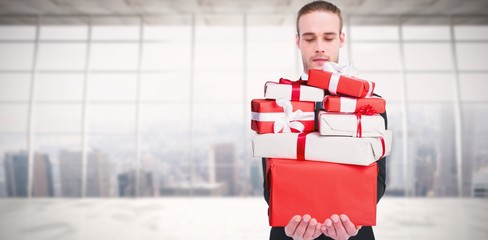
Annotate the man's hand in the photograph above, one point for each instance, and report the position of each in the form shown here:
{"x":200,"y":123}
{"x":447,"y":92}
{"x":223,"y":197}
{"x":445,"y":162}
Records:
{"x":339,"y":228}
{"x":303,"y":228}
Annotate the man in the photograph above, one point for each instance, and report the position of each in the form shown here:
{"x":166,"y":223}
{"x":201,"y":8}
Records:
{"x":319,"y":38}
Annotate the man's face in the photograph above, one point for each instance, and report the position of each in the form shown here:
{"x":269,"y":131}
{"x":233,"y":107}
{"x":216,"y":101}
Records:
{"x":319,"y":39}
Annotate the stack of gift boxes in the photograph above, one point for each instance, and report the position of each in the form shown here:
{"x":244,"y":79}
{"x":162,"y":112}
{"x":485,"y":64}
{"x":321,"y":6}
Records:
{"x":321,"y":149}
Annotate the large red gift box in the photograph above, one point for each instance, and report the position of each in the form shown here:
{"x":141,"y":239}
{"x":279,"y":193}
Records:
{"x":267,"y":116}
{"x":354,"y":105}
{"x":321,"y":189}
{"x":340,"y":84}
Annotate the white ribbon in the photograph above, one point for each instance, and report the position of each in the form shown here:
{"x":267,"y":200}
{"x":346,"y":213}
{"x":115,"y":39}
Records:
{"x":348,"y":105}
{"x":286,"y":120}
{"x":338,"y":70}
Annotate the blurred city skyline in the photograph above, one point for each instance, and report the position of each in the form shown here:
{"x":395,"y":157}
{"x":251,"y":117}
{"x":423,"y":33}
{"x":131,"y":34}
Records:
{"x":155,"y":101}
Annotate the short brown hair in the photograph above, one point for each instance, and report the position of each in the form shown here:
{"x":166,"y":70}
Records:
{"x":320,"y":6}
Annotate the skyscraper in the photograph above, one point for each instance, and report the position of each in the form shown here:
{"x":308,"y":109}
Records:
{"x":223,"y":167}
{"x":16,"y":166}
{"x":97,"y":174}
{"x":127,"y":182}
{"x":16,"y":171}
{"x":42,"y":185}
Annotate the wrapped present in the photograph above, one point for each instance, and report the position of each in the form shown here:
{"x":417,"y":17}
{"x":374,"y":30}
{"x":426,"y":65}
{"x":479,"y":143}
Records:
{"x":281,"y":115}
{"x":340,"y":84}
{"x":312,"y":146}
{"x":368,"y":105}
{"x":321,"y":189}
{"x":294,"y":91}
{"x":351,"y":125}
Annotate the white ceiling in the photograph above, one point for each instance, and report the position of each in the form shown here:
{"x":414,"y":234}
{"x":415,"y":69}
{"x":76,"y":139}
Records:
{"x":15,"y":8}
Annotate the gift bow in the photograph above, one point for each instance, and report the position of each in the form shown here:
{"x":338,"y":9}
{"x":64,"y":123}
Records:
{"x":367,"y":110}
{"x":346,"y":70}
{"x":290,"y":120}
{"x":363,"y":110}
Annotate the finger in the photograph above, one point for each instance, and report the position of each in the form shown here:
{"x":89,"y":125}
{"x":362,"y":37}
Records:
{"x":310,"y":229}
{"x":317,"y":231}
{"x":300,"y":230}
{"x":340,"y":231}
{"x":348,"y":225}
{"x":292,"y":225}
{"x":330,"y":228}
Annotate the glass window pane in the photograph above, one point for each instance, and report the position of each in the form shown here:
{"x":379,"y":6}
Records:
{"x":172,"y":56}
{"x":14,"y":87}
{"x":211,"y":56}
{"x":11,"y":144}
{"x":58,"y":118}
{"x":20,"y":56}
{"x":115,"y":32}
{"x":105,"y":118}
{"x":59,"y":87}
{"x":426,"y":32}
{"x":63,"y":32}
{"x":167,"y":32}
{"x":280,"y":56}
{"x":112,"y":87}
{"x":218,"y":147}
{"x":431,"y":148}
{"x":475,"y":140}
{"x":62,"y":56}
{"x":376,"y":56}
{"x":171,"y":120}
{"x":13,"y":118}
{"x":57,"y":165}
{"x":472,"y":56}
{"x":17,"y":32}
{"x":218,"y":87}
{"x":374,"y":32}
{"x":473,"y":32}
{"x":472,"y":86}
{"x":388,"y":85}
{"x":219,"y":33}
{"x":430,"y":87}
{"x":428,"y":56}
{"x":165,"y":87}
{"x":267,"y":33}
{"x":395,"y":163}
{"x":114,"y":56}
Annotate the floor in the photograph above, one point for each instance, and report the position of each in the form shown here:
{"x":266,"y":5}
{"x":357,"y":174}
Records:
{"x":221,"y":218}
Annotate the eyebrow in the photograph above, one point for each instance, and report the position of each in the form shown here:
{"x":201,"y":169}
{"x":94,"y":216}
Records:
{"x":313,"y":34}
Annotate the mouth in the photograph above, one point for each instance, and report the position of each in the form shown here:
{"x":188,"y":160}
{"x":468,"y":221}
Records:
{"x":320,"y":61}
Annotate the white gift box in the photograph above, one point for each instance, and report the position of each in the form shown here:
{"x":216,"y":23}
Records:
{"x":350,"y":125}
{"x":346,"y":150}
{"x":274,"y":90}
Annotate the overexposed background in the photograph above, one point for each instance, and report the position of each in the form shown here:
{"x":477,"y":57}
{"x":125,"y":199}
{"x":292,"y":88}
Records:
{"x":150,"y":99}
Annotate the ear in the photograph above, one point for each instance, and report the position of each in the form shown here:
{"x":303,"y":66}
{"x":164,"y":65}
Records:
{"x":298,"y":41}
{"x":342,"y":38}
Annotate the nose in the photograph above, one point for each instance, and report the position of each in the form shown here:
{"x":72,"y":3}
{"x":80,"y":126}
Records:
{"x":319,"y":48}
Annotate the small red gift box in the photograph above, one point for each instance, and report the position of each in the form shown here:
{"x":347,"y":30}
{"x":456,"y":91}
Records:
{"x":321,"y":189}
{"x":354,"y":105}
{"x":276,"y":116}
{"x":340,"y":84}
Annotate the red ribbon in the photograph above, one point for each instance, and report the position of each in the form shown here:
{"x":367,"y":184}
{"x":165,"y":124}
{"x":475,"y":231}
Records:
{"x":366,"y":110}
{"x":359,"y":131}
{"x":301,"y":146}
{"x":383,"y":147}
{"x":295,"y":87}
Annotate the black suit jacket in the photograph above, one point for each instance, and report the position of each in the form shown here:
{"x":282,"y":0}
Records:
{"x":366,"y":232}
